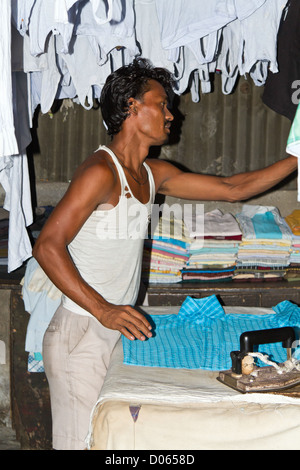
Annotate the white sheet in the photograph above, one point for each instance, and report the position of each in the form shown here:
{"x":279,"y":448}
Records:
{"x":188,"y":409}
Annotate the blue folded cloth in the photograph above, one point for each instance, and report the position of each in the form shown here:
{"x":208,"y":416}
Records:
{"x":202,"y":335}
{"x":260,"y":222}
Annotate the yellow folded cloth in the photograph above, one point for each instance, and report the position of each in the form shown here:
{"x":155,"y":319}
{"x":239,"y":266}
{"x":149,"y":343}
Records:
{"x":293,"y":221}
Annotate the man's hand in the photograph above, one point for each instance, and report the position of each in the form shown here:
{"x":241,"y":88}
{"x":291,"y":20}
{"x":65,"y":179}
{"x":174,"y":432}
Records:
{"x":127,"y":320}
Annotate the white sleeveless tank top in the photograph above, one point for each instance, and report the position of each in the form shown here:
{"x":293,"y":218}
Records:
{"x":108,"y":249}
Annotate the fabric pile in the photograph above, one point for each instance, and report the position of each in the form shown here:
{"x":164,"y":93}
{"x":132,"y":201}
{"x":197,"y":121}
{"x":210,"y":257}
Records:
{"x":213,"y":253}
{"x":293,"y":271}
{"x":166,"y":252}
{"x":264,"y":253}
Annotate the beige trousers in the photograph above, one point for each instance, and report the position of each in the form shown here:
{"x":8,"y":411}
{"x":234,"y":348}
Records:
{"x":76,"y":353}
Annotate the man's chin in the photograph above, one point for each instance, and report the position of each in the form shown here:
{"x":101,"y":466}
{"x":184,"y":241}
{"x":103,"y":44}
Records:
{"x":166,"y":138}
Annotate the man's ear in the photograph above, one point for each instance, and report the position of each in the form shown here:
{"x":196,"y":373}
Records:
{"x":132,"y":103}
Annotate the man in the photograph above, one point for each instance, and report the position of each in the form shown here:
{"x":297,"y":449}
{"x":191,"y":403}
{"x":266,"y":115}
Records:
{"x":88,"y":250}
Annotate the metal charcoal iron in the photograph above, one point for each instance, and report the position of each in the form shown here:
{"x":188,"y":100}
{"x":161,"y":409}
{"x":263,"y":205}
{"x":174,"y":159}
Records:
{"x":245,"y":376}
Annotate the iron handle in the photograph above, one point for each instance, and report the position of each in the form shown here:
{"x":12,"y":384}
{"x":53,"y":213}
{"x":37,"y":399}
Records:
{"x":249,"y":339}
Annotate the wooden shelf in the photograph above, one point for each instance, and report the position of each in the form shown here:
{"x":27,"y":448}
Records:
{"x":250,"y":294}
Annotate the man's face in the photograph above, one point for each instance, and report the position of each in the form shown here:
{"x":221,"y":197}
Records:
{"x":153,"y":117}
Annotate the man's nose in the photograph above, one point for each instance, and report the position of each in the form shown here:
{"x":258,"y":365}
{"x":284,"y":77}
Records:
{"x":169,"y":115}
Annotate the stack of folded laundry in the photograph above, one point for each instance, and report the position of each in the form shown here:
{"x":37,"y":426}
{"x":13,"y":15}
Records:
{"x":264,"y":253}
{"x":166,"y":252}
{"x":213,"y":252}
{"x":293,"y":271}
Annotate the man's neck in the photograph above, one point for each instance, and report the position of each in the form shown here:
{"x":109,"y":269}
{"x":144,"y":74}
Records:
{"x":131,"y":153}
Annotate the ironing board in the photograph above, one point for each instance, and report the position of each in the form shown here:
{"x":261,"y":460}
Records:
{"x":142,"y":408}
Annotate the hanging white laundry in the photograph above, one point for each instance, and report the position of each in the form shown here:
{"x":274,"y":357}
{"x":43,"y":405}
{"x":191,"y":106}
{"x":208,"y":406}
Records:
{"x":84,"y":78}
{"x":14,"y":136}
{"x":15,"y":180}
{"x":8,"y":142}
{"x":14,"y":175}
{"x":33,"y":63}
{"x":228,"y":58}
{"x":189,"y":72}
{"x":47,"y":71}
{"x":61,"y":10}
{"x":195,"y":86}
{"x":119,"y":32}
{"x":18,"y":203}
{"x":259,"y":72}
{"x":103,"y":13}
{"x":21,"y":12}
{"x":45,"y":75}
{"x":148,"y":34}
{"x":51,"y":77}
{"x":206,"y":48}
{"x":42,"y":24}
{"x":249,"y":44}
{"x":259,"y":39}
{"x":244,"y":9}
{"x":189,"y":20}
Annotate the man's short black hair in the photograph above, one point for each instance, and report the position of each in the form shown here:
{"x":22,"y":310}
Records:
{"x":129,"y":81}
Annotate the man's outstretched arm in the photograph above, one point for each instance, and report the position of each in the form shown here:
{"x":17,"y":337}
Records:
{"x":171,"y":181}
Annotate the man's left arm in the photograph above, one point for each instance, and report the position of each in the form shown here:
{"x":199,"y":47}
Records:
{"x":171,"y":181}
